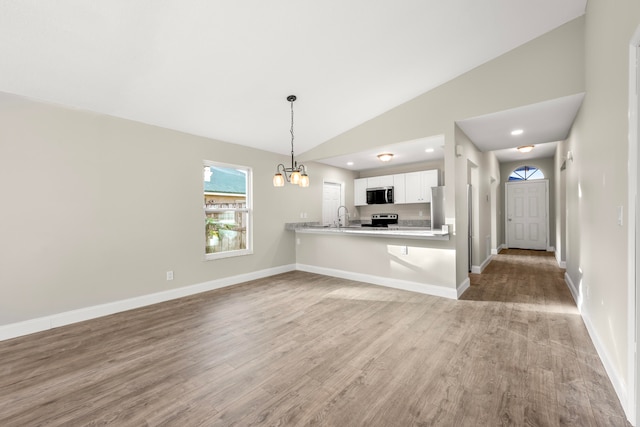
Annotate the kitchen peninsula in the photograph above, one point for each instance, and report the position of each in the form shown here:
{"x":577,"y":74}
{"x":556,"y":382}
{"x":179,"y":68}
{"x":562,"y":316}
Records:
{"x":410,"y":258}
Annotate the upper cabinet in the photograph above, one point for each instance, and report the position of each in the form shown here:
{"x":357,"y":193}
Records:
{"x":418,"y":186}
{"x":360,"y":192}
{"x":380,"y":181}
{"x":413,"y":187}
{"x":399,"y":188}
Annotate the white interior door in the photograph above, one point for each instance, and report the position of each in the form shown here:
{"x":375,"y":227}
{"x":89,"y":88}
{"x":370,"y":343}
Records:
{"x":527,"y":214}
{"x":331,"y":199}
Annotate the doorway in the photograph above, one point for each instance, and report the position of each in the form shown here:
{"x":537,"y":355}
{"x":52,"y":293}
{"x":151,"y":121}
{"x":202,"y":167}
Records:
{"x":332,"y":198}
{"x":527,"y":219}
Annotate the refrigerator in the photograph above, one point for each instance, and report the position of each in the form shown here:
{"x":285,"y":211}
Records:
{"x":437,"y":208}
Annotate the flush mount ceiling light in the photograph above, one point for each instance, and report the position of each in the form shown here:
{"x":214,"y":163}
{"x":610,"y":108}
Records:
{"x":525,"y":148}
{"x":297,"y":173}
{"x":517,"y":132}
{"x":385,"y":157}
{"x":429,"y":150}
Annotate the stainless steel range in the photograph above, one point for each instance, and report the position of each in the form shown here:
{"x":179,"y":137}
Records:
{"x":383,"y":220}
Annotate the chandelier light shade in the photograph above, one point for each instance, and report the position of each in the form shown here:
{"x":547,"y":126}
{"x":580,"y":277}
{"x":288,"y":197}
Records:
{"x":278,"y":180}
{"x":385,"y":157}
{"x":297,"y":173}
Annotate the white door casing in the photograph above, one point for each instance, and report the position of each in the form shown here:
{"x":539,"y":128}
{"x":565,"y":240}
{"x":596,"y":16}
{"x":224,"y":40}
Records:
{"x":527,"y":219}
{"x":633,"y":378}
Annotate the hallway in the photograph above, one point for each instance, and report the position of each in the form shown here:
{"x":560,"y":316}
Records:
{"x":541,"y":341}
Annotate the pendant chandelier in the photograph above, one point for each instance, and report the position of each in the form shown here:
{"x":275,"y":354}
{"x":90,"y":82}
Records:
{"x":297,"y":173}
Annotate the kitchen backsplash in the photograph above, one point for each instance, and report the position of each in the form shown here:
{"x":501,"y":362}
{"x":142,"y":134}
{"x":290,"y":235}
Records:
{"x":410,"y":212}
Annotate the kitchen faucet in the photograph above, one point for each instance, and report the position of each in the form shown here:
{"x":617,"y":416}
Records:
{"x":346,"y":215}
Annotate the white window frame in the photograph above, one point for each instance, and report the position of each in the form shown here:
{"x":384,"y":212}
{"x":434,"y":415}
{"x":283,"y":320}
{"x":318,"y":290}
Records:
{"x":248,"y":209}
{"x":525,"y":178}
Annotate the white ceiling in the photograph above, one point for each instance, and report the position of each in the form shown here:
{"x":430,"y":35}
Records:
{"x":544,"y":122}
{"x":223,"y":69}
{"x":543,"y":125}
{"x":403,"y":153}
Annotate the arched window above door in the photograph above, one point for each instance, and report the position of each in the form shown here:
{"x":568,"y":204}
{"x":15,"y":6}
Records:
{"x":526,"y":173}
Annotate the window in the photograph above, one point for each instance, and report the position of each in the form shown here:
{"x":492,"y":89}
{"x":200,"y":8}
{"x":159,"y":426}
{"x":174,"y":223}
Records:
{"x":227,"y":209}
{"x":526,"y":173}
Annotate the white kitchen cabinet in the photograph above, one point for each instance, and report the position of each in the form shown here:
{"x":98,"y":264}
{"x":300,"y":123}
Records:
{"x":360,"y":192}
{"x":413,"y":187}
{"x":380,"y":181}
{"x":399,"y":189}
{"x":418,"y":186}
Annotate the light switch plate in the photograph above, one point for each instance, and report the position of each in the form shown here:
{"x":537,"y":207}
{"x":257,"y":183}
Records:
{"x":620,"y":215}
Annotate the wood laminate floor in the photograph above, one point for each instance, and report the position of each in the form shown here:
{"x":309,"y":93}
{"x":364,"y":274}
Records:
{"x":304,"y":349}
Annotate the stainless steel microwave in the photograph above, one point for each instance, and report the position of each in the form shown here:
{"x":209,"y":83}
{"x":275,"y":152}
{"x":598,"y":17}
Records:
{"x":379,"y":195}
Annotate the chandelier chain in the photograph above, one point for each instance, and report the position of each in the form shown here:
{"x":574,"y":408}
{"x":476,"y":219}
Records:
{"x":292,"y":136}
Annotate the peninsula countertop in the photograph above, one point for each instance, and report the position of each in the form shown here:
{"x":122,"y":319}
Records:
{"x":404,"y":232}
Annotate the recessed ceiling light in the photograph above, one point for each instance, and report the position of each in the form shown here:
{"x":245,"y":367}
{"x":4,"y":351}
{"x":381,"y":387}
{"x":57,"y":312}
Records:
{"x":429,"y":150}
{"x":525,"y":148}
{"x":517,"y":132}
{"x":349,"y":163}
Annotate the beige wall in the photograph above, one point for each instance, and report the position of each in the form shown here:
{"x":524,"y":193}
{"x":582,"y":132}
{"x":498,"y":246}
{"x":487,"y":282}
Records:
{"x":596,"y":184}
{"x":96,"y":209}
{"x":480,"y":170}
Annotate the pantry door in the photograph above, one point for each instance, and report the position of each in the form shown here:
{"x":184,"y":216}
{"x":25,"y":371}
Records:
{"x":527,"y":219}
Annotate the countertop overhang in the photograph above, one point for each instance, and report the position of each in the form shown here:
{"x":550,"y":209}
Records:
{"x":394,"y":232}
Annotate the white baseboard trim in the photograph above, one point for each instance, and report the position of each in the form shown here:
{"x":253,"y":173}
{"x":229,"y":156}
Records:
{"x":463,"y":286}
{"x":31,"y":326}
{"x":614,"y":376}
{"x":572,"y":288}
{"x":551,"y":249}
{"x":561,"y":264}
{"x":423,"y":288}
{"x":477,"y":269}
{"x":498,"y":249}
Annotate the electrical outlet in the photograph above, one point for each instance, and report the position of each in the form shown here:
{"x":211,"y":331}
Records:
{"x":419,"y":213}
{"x":404,"y":250}
{"x":297,"y":241}
{"x":169,"y":275}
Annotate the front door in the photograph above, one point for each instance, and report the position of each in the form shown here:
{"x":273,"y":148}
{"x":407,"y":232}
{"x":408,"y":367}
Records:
{"x":527,"y":219}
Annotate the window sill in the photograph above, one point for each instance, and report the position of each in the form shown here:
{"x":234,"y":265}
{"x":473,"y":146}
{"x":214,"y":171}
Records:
{"x":227,"y":254}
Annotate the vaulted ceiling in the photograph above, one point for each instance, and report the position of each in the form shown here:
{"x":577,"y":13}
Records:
{"x":223,"y":69}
